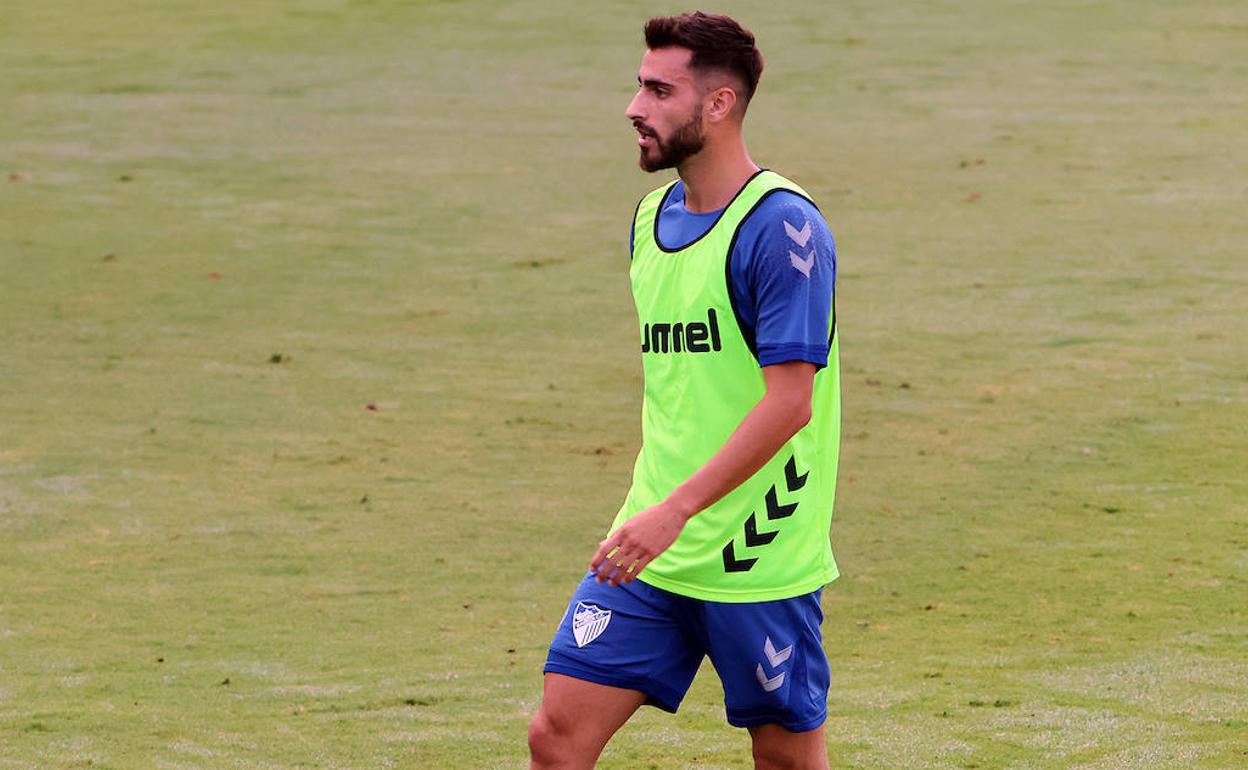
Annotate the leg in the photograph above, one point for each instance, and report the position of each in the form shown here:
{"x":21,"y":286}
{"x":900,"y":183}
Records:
{"x":615,"y":649}
{"x":770,"y":658}
{"x":575,"y":721}
{"x":775,"y":748}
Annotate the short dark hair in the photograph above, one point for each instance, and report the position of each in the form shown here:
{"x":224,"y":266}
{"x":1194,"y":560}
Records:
{"x":718,"y":43}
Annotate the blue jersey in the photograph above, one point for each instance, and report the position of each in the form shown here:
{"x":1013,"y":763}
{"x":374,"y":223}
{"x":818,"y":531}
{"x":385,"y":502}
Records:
{"x":783,"y":268}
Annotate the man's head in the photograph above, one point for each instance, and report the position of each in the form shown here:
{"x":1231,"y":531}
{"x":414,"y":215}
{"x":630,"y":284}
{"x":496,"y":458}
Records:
{"x":696,"y":80}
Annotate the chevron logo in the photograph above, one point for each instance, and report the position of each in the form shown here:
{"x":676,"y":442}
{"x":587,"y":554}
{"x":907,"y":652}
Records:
{"x":800,"y":237}
{"x":753,"y":538}
{"x":803,"y":265}
{"x":773,"y":657}
{"x":771,"y":684}
{"x":775,"y":512}
{"x":732,"y":564}
{"x":791,"y":478}
{"x":774,"y":509}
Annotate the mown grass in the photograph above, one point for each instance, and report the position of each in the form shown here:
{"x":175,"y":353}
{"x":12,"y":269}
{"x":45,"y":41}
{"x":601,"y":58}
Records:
{"x":319,"y":381}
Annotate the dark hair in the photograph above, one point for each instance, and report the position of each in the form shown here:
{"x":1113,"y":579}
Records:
{"x":717,"y":42}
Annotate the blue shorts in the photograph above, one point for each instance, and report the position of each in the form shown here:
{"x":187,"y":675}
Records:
{"x":769,"y":655}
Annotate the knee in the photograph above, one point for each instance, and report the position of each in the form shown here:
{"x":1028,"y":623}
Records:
{"x":549,"y":740}
{"x":773,"y":758}
{"x":777,"y":749}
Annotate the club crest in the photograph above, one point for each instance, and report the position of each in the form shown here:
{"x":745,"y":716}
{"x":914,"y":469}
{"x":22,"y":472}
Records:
{"x":588,"y":622}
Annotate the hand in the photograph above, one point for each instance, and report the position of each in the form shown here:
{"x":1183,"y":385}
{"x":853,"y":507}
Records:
{"x":636,"y":543}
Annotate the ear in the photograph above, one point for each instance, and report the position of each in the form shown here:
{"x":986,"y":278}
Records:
{"x":720,"y":103}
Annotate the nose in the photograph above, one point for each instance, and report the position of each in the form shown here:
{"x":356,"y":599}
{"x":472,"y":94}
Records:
{"x":633,"y":111}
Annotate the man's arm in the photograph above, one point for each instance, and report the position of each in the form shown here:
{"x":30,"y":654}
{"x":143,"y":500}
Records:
{"x":783,"y":410}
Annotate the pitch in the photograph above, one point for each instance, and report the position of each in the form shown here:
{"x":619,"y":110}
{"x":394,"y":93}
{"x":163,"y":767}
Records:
{"x":319,"y":381}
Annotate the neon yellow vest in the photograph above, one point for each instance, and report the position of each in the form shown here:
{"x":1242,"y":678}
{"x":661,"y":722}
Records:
{"x":768,"y":538}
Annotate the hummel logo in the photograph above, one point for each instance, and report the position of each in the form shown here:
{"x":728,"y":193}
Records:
{"x":773,"y":683}
{"x":803,"y":265}
{"x":776,"y":511}
{"x":773,"y":657}
{"x":686,"y":336}
{"x":800,"y":237}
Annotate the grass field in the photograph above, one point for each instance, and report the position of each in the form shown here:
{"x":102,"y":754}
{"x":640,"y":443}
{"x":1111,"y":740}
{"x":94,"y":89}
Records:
{"x":319,"y":382}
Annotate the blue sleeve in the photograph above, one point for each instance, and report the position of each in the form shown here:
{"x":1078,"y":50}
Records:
{"x":783,"y":279}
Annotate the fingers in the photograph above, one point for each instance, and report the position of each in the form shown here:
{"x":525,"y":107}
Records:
{"x":604,"y":548}
{"x":627,"y":551}
{"x":636,"y":567}
{"x":606,"y":568}
{"x":619,"y":572}
{"x":606,"y":558}
{"x":613,"y":569}
{"x":617,"y":564}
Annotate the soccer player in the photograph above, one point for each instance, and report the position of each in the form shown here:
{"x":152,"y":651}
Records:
{"x":721,"y":546}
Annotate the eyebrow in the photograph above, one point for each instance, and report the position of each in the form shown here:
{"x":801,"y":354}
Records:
{"x":654,"y":83}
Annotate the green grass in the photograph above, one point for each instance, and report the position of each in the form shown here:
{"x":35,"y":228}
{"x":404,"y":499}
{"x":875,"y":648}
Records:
{"x":227,"y":229}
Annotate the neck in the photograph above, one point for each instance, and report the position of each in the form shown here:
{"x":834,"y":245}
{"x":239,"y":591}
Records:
{"x":716,"y":174}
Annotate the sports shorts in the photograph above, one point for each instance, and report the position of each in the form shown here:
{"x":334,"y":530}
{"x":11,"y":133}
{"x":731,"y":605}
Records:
{"x":769,"y":655}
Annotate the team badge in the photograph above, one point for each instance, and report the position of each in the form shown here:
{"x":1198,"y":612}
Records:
{"x":588,"y":622}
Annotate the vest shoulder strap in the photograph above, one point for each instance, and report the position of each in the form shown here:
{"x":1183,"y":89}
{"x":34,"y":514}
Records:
{"x":756,"y":188}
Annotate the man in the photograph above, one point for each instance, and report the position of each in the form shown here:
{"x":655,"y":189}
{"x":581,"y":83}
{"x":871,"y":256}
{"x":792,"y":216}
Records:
{"x":721,"y":547}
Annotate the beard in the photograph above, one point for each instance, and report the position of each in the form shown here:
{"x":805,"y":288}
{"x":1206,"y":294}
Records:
{"x":685,"y":142}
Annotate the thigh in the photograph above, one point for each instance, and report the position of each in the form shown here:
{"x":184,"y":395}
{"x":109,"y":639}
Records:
{"x":629,"y":637}
{"x":577,"y":718}
{"x":770,"y":658}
